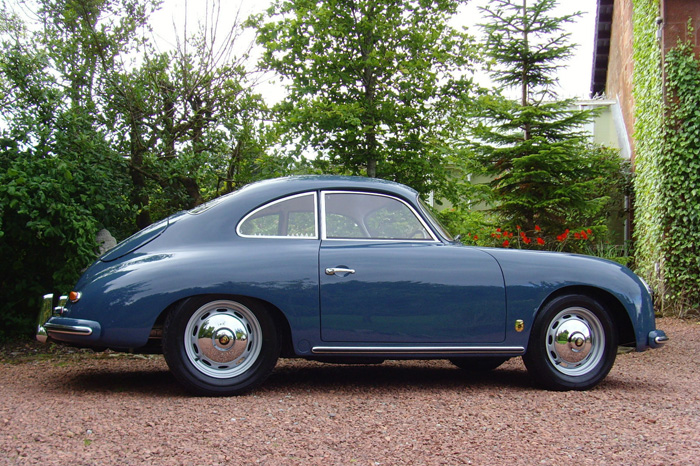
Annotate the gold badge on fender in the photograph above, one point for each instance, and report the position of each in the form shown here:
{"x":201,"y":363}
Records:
{"x":519,"y":325}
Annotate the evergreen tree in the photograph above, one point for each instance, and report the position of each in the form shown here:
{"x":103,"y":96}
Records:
{"x":532,"y":148}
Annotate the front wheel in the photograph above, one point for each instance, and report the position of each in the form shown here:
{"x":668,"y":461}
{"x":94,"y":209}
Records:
{"x":220,"y":347}
{"x":573,"y":344}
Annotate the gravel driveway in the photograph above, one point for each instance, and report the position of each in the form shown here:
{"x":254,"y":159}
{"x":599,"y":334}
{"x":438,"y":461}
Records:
{"x":106,"y":409}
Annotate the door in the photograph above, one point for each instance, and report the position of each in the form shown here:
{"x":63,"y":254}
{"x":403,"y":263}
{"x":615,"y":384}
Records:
{"x":385,"y":278}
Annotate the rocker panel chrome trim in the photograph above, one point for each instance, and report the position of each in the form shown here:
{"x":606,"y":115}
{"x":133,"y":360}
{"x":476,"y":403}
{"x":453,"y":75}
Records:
{"x":420,"y":350}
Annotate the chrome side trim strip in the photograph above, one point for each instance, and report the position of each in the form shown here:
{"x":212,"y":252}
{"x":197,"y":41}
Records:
{"x":405,"y":350}
{"x":68,"y":329}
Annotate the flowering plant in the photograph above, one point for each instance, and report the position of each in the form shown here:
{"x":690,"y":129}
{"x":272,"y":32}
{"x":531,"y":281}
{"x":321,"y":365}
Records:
{"x":531,"y":239}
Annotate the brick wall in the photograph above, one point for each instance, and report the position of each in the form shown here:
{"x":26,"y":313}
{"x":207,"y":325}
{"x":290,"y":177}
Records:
{"x":675,"y":22}
{"x":620,"y":66}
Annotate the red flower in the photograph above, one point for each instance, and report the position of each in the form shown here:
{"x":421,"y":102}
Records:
{"x":527,"y":240}
{"x":561,"y":238}
{"x":540,"y":241}
{"x":589,"y":231}
{"x":537,"y":228}
{"x":498,"y":230}
{"x":476,"y":237}
{"x":577,"y":236}
{"x":517,"y":226}
{"x":584,"y":235}
{"x":506,"y":243}
{"x":522,"y":233}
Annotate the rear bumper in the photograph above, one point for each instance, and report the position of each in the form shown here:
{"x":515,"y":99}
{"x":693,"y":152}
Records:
{"x":52,"y":325}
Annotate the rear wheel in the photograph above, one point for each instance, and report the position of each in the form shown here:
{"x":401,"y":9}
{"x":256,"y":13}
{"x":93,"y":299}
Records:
{"x":573,"y":344}
{"x":219,"y":347}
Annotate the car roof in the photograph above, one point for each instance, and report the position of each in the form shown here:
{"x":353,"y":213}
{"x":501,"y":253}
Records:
{"x":298,"y":183}
{"x":251,"y":196}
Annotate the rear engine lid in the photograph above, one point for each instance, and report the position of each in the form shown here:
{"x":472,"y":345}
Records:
{"x":136,"y":241}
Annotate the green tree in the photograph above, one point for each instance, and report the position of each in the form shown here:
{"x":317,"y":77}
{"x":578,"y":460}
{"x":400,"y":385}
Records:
{"x":190,"y":123}
{"x":97,"y":130}
{"x":60,"y":180}
{"x":532,"y":148}
{"x":375,"y":88}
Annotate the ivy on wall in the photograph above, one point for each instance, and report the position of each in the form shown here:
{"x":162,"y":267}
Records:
{"x":679,"y":164}
{"x":648,"y":98}
{"x":667,"y":166}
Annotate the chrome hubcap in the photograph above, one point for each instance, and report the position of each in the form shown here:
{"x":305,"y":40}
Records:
{"x":223,"y":339}
{"x":575,"y":341}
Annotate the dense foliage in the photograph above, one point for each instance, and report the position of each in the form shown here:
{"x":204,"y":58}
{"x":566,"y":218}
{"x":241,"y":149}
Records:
{"x":648,"y":137}
{"x":543,"y":172}
{"x":375,"y":88}
{"x":60,"y":179}
{"x":679,"y":164}
{"x":101,"y":130}
{"x":667,"y":165}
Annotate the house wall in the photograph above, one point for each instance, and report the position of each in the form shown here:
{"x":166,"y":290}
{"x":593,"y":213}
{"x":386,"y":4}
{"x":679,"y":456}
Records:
{"x":675,"y":15}
{"x":618,"y":85}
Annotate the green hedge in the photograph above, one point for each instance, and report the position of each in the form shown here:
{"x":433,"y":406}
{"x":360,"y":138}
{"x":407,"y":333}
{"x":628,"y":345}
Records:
{"x":667,"y":166}
{"x":679,"y":164}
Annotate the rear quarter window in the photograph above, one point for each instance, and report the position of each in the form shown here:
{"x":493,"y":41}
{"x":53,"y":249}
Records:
{"x":290,"y":217}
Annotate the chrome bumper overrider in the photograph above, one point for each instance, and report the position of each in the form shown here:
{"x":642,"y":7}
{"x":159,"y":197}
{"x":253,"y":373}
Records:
{"x":657,"y":338}
{"x":51,"y":322}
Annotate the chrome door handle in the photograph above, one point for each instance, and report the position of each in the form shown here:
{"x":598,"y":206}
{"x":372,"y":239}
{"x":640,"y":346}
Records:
{"x":337,"y":270}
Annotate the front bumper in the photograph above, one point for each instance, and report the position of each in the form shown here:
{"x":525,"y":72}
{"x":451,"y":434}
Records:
{"x":53,"y":325}
{"x":657,"y":338}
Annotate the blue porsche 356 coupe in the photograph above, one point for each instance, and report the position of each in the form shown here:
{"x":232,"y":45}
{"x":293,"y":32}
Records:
{"x":345,"y":269}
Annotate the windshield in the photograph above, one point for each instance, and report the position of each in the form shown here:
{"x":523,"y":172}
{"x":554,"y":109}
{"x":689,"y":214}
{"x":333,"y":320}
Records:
{"x":428,"y":213}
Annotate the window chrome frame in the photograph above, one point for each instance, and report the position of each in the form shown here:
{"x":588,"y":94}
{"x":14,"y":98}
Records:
{"x":426,"y":226}
{"x":283,"y":199}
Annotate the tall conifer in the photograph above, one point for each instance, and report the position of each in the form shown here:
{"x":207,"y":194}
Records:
{"x":530,"y":144}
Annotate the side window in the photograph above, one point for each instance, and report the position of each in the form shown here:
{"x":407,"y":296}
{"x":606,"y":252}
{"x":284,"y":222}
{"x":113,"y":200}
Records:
{"x":292,"y":217}
{"x":371,"y":216}
{"x":340,"y":226}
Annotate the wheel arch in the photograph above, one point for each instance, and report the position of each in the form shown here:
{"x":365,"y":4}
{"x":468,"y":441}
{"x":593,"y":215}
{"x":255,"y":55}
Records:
{"x":284,"y":331}
{"x":618,"y":313}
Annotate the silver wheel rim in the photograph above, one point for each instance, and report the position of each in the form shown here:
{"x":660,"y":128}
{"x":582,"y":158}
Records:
{"x":223,"y":339}
{"x":575,"y":341}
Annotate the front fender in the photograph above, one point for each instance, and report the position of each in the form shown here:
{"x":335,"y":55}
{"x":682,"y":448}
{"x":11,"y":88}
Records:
{"x":531,"y":277}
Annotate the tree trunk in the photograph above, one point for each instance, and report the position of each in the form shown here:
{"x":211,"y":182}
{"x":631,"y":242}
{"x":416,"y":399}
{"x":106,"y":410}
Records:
{"x":192,"y":188}
{"x":372,"y":168}
{"x":139,"y":195}
{"x":525,"y":101}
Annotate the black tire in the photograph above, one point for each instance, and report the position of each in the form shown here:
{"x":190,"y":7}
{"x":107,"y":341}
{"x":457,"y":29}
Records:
{"x":573,"y":344}
{"x":478,"y":365}
{"x":220,"y":347}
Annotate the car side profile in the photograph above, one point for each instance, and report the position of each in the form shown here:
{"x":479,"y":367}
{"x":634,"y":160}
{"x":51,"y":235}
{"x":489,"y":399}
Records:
{"x":345,"y":269}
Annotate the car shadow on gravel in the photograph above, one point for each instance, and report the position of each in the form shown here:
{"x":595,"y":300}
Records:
{"x":310,"y":377}
{"x":154,"y":383}
{"x":307,"y":377}
{"x":414,"y":377}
